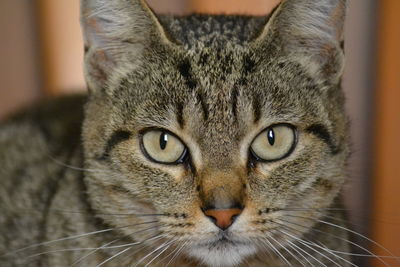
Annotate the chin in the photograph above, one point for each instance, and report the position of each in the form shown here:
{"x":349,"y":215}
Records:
{"x":222,"y":253}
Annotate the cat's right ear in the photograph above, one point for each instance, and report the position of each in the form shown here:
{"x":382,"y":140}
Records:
{"x":311,"y":32}
{"x":115,"y":34}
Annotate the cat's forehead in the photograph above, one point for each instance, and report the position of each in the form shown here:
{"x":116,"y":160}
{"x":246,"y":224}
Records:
{"x":220,"y":85}
{"x":218,"y":90}
{"x":216,"y":65}
{"x":228,"y":90}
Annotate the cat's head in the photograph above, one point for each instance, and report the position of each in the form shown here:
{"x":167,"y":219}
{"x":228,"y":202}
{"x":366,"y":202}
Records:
{"x":231,"y":141}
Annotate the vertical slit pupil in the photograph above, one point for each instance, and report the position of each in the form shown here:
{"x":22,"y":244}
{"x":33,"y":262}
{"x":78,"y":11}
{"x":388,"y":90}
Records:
{"x":163,"y":140}
{"x":271,"y":137}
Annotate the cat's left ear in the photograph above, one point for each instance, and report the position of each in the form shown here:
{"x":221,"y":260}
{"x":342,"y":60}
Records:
{"x":116,"y":32}
{"x":311,"y":32}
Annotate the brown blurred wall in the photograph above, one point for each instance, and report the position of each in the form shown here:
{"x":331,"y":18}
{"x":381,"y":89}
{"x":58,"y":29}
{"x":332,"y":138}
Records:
{"x":61,"y":46}
{"x":254,"y":7}
{"x":19,"y":68}
{"x":386,"y":184}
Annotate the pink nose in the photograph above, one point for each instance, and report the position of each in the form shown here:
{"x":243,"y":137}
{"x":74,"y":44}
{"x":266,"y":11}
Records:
{"x":223,"y":218}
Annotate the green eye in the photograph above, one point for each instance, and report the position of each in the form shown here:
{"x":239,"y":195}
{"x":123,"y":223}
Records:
{"x":163,"y":147}
{"x":274,"y":143}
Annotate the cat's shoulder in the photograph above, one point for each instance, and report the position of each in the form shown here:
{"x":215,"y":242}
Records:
{"x":36,"y":147}
{"x":55,"y":118}
{"x":34,"y":137}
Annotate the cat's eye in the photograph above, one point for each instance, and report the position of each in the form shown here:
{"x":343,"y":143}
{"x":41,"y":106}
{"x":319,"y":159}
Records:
{"x":163,"y":147}
{"x":274,"y":143}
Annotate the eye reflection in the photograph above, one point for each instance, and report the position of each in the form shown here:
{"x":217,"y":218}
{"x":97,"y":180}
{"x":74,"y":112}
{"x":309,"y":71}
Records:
{"x":271,"y":137}
{"x":163,"y":140}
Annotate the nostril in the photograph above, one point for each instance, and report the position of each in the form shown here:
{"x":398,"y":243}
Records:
{"x":212,"y":218}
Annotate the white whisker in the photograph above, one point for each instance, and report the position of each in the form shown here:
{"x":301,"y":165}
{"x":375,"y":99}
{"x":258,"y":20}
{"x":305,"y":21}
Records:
{"x":91,"y":253}
{"x":362,"y":236}
{"x":162,"y":251}
{"x":109,"y":243}
{"x":46,"y":243}
{"x":301,"y":240}
{"x":277,"y":251}
{"x":113,"y":257}
{"x":310,"y":245}
{"x":79,"y":168}
{"x":171,"y":253}
{"x":127,"y":249}
{"x":300,"y":251}
{"x":176,"y":253}
{"x":152,"y":252}
{"x":57,"y":240}
{"x":107,"y":214}
{"x":342,"y":239}
{"x":145,"y":243}
{"x":82,"y":249}
{"x":287,"y":250}
{"x":296,"y":238}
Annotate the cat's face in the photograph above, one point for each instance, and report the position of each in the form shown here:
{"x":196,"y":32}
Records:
{"x":231,"y":147}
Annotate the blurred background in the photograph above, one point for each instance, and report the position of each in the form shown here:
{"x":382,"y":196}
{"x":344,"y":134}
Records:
{"x":41,"y":54}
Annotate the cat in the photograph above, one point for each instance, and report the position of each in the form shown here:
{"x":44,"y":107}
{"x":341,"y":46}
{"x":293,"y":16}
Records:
{"x":204,"y":140}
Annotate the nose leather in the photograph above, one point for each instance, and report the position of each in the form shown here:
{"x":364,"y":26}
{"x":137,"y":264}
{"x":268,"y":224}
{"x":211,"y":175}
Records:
{"x":223,"y":218}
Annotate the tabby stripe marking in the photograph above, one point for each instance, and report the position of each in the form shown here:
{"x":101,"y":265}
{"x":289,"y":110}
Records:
{"x":234,"y":100}
{"x":322,"y":133}
{"x":117,"y":137}
{"x":256,"y":107}
{"x":179,"y":114}
{"x":185,"y":69}
{"x":201,"y":100}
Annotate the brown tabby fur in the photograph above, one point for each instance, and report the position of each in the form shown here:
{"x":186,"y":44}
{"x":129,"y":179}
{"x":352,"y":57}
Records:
{"x":216,"y":82}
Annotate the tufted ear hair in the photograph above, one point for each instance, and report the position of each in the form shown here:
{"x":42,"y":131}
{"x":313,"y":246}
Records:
{"x":115,"y":34}
{"x":312,"y":32}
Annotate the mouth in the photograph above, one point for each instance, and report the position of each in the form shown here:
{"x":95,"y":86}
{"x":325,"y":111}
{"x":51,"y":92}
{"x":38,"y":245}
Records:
{"x":223,"y":240}
{"x":223,"y":250}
